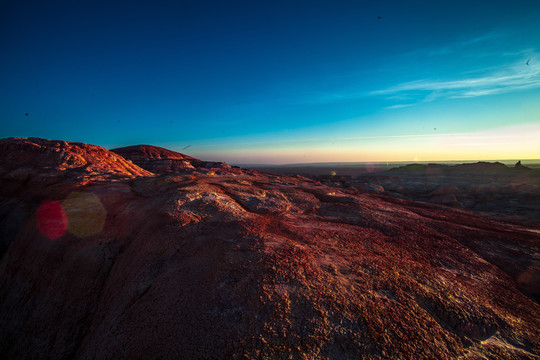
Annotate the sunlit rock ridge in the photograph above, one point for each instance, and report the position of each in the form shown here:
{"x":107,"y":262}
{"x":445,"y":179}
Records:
{"x":103,"y":258}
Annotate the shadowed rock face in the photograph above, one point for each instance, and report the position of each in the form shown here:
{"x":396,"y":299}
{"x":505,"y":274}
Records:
{"x":162,"y":161}
{"x":243,"y":264}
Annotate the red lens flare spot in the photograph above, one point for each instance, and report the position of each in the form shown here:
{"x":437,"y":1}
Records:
{"x":51,"y":219}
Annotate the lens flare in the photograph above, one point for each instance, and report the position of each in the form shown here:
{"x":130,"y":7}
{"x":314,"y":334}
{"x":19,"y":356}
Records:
{"x":371,"y":167}
{"x":51,"y":219}
{"x":85,"y":212}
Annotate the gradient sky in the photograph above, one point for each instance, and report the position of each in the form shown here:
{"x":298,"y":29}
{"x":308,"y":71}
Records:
{"x":277,"y":81}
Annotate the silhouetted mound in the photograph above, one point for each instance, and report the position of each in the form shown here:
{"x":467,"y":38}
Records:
{"x":479,"y":168}
{"x":241,"y":264}
{"x":520,"y":167}
{"x":162,"y":161}
{"x":420,"y":169}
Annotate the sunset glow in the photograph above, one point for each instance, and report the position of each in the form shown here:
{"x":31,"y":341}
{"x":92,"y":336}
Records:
{"x":278,"y":82}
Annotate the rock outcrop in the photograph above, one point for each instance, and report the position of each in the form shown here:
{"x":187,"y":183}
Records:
{"x":520,"y":167}
{"x":36,"y":159}
{"x":163,"y":161}
{"x":241,"y":264}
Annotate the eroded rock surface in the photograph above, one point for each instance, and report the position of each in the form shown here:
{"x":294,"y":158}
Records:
{"x":506,"y":193}
{"x":242,"y":264}
{"x":40,"y":160}
{"x":163,"y":161}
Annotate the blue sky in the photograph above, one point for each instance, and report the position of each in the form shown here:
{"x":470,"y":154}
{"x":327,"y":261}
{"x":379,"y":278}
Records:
{"x":277,"y":81}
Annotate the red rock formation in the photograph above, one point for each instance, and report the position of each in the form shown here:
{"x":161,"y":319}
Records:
{"x":145,"y":152}
{"x":163,"y":161}
{"x":243,"y":264}
{"x":36,"y":159}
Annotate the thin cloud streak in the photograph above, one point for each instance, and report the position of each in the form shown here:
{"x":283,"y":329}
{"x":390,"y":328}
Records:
{"x":509,"y":142}
{"x":380,"y":137}
{"x":491,"y":80}
{"x":517,"y":77}
{"x":512,"y":132}
{"x":400,"y":106}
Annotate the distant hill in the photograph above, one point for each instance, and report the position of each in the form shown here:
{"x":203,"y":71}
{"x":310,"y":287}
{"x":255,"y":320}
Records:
{"x":478,"y":168}
{"x":150,"y":152}
{"x":161,"y":161}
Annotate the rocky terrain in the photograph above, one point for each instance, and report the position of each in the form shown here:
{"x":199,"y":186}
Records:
{"x":494,"y":189}
{"x":102,"y":259}
{"x":162,"y":161}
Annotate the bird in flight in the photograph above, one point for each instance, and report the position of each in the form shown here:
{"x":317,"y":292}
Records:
{"x":26,"y":114}
{"x":528,"y":61}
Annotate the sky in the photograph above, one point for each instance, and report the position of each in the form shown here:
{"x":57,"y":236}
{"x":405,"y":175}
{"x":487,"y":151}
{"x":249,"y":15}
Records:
{"x":254,"y":82}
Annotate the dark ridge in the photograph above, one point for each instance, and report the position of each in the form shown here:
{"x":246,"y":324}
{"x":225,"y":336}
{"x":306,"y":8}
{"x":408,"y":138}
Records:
{"x":478,"y":168}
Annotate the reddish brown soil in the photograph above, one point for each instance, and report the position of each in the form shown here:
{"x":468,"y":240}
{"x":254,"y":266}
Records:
{"x":231,"y":263}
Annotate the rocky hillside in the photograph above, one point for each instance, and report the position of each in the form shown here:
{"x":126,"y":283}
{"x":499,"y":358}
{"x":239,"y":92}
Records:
{"x":162,"y":161}
{"x":37,"y":160}
{"x":225,"y":263}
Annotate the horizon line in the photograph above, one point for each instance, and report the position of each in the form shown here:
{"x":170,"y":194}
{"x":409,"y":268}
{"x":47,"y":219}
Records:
{"x":386,"y":162}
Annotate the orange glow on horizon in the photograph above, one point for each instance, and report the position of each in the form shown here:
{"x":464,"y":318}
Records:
{"x":508,"y":143}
